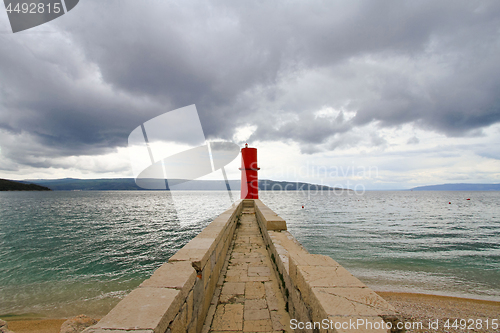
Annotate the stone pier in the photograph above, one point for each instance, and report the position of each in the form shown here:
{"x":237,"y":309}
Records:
{"x":249,"y":299}
{"x":246,"y":273}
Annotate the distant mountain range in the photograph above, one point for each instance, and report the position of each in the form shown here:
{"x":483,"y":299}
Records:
{"x":10,"y":185}
{"x":459,"y":187}
{"x":126,"y":184}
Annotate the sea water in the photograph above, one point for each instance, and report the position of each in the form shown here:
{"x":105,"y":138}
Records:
{"x":67,"y":253}
{"x":427,"y":242}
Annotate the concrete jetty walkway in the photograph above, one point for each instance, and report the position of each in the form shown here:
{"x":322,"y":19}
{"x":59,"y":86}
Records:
{"x":249,"y":299}
{"x":246,"y":273}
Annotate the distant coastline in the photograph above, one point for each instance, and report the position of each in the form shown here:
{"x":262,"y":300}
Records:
{"x":128,"y":184}
{"x":458,"y":187}
{"x":10,"y":185}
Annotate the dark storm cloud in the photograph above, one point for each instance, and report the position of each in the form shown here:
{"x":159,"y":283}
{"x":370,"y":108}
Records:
{"x":51,"y":98}
{"x":110,"y":65}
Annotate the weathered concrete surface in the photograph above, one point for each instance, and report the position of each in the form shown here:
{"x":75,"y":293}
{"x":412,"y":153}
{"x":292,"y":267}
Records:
{"x":317,"y":288}
{"x":246,"y":273}
{"x":143,"y":308}
{"x":177,"y":297}
{"x":250,"y":299}
{"x":272,"y":220}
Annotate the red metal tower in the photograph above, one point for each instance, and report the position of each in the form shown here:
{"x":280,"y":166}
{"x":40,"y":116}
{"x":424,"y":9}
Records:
{"x":249,"y":178}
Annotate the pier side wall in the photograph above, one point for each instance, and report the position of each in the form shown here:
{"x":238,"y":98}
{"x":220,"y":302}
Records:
{"x":176,"y":298}
{"x":317,"y":289}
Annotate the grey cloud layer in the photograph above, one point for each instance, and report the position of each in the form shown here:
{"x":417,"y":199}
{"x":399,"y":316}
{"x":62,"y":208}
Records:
{"x":111,"y":65}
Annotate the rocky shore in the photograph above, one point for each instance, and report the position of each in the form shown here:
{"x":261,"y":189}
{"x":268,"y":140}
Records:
{"x":73,"y":325}
{"x":412,"y":308}
{"x":415,"y":308}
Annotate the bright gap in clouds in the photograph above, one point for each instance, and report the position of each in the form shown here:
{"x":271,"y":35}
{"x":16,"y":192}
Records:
{"x":395,"y":163}
{"x":329,"y":85}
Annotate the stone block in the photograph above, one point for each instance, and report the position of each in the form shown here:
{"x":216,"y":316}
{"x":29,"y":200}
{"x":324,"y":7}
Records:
{"x":347,"y":302}
{"x":198,"y":296}
{"x":220,"y":281}
{"x":178,"y":275}
{"x":283,"y":263}
{"x":256,"y":314}
{"x":292,"y":270}
{"x":233,"y":288}
{"x":255,"y":304}
{"x":326,"y":276}
{"x":191,"y":255}
{"x":236,"y":271}
{"x":320,"y":260}
{"x":192,"y":326}
{"x":180,"y":321}
{"x":264,"y":325}
{"x":319,"y":276}
{"x":278,"y":321}
{"x":219,"y":249}
{"x":212,"y":231}
{"x":364,"y":296}
{"x":210,"y":316}
{"x":300,"y":308}
{"x":207,"y":302}
{"x":259,"y":271}
{"x":276,"y":224}
{"x":206,"y":274}
{"x":254,"y":290}
{"x":299,"y":257}
{"x":189,"y":302}
{"x":143,"y":309}
{"x":272,"y":299}
{"x":212,"y":286}
{"x":199,"y":323}
{"x":228,"y":317}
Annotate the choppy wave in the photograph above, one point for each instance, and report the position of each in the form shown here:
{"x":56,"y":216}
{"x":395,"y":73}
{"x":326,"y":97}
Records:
{"x":404,"y":241}
{"x":66,"y":253}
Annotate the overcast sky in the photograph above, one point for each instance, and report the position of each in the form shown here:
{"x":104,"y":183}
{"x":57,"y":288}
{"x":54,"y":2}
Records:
{"x":387,"y":94}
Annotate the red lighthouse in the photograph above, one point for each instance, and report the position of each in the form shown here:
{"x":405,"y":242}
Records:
{"x":249,"y":178}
